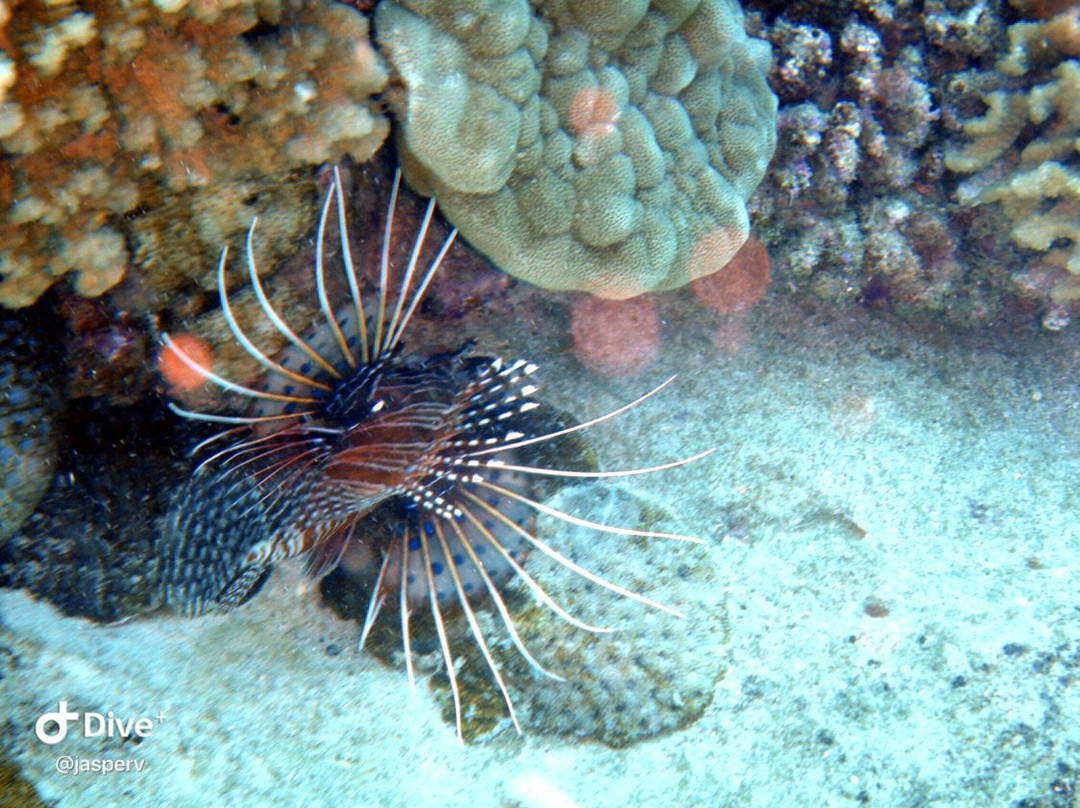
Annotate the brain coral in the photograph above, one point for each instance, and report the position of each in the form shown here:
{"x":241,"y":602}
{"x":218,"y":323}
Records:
{"x":585,"y":145}
{"x":105,"y":108}
{"x":654,"y":673}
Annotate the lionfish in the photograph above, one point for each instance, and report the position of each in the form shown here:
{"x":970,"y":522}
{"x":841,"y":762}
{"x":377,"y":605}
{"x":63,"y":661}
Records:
{"x":348,"y":438}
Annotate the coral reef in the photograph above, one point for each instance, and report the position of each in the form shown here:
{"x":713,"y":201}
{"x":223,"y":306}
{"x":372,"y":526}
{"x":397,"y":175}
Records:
{"x":652,"y":674}
{"x":900,"y":126}
{"x":107,"y":111}
{"x":852,"y":208}
{"x":30,"y":401}
{"x":1021,"y":152}
{"x":584,"y":146}
{"x":178,"y":242}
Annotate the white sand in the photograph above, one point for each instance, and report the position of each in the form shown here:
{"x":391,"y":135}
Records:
{"x":856,"y":461}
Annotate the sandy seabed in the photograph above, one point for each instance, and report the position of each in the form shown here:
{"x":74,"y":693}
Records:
{"x":892,"y":519}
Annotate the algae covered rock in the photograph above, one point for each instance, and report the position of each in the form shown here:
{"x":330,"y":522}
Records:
{"x":92,"y":547}
{"x":606,"y":147}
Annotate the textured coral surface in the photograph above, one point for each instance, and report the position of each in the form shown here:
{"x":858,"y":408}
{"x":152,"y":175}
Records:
{"x":615,"y":693}
{"x":586,"y":146}
{"x":30,"y":401}
{"x":919,"y":145}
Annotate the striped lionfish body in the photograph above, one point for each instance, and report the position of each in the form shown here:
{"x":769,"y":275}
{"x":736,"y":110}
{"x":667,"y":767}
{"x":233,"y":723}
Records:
{"x":428,"y":461}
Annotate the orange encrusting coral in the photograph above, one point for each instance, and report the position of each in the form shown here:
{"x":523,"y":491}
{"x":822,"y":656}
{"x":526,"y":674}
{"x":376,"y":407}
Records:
{"x":105,"y":107}
{"x":594,"y":113}
{"x":179,"y":375}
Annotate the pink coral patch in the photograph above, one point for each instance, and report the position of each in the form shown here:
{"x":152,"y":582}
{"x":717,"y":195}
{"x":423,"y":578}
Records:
{"x":594,"y":113}
{"x":714,"y":250}
{"x":615,"y":338}
{"x":739,"y":285}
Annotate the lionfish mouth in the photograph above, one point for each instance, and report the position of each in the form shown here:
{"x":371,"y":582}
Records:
{"x":425,"y":459}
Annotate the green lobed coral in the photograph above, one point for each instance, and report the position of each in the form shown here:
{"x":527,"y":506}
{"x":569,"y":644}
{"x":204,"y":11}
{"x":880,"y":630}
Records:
{"x":607,"y":147}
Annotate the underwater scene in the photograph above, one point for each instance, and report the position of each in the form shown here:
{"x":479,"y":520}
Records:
{"x":539,"y":403}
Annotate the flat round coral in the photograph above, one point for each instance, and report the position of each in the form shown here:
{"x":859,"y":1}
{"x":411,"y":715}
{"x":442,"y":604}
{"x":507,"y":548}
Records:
{"x":586,"y":145}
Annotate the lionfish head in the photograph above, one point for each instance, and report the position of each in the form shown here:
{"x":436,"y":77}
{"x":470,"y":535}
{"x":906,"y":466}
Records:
{"x":428,"y":461}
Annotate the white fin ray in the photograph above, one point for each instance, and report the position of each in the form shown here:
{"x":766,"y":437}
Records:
{"x":395,"y":336}
{"x":588,"y":575}
{"x":271,"y":312}
{"x":585,"y":475}
{"x":474,"y":626}
{"x":213,"y":418}
{"x":576,"y":427}
{"x":320,"y":279}
{"x":247,"y":344}
{"x":350,"y":270}
{"x":225,"y":384}
{"x":384,"y":263}
{"x":375,"y":603}
{"x":496,"y":596}
{"x":539,"y":591}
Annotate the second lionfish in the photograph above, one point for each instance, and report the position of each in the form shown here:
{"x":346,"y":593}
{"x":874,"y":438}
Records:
{"x":433,"y":463}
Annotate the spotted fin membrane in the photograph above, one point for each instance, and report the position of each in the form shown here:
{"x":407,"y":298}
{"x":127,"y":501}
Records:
{"x":426,"y":460}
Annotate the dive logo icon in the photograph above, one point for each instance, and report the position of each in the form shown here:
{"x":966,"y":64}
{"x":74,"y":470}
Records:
{"x":52,"y":727}
{"x":61,"y":718}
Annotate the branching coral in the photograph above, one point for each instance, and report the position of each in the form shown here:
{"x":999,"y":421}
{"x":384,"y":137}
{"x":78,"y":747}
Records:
{"x":1024,"y":149}
{"x":586,"y":145}
{"x":106,"y":107}
{"x":854,"y":206}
